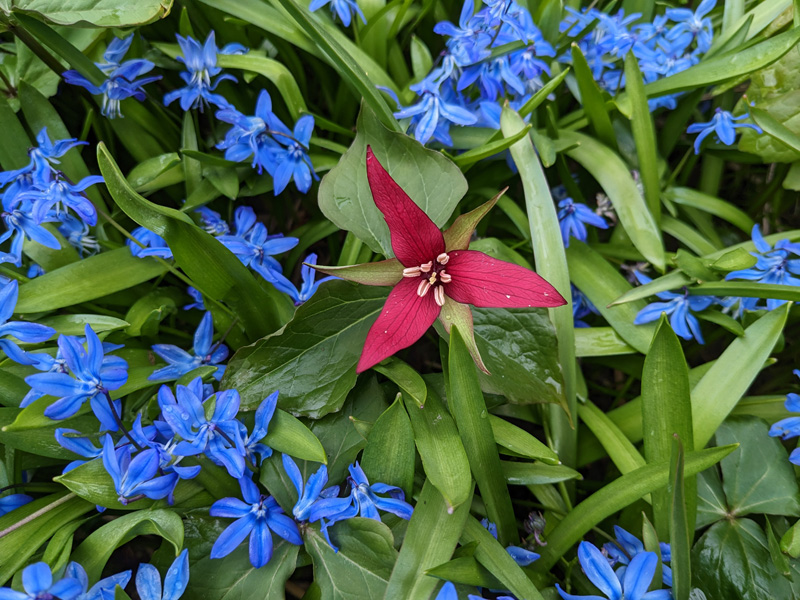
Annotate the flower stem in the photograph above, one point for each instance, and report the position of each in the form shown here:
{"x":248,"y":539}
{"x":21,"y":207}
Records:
{"x":118,"y":420}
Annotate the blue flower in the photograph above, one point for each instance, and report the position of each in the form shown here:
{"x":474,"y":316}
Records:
{"x":692,"y":26}
{"x":636,"y":580}
{"x":573,"y":218}
{"x":723,"y":124}
{"x":363,"y":500}
{"x":93,"y":375}
{"x":310,"y":491}
{"x":212,"y":222}
{"x":25,"y":332}
{"x":252,"y":135}
{"x":627,"y":547}
{"x":43,"y":156}
{"x":37,"y":581}
{"x":344,"y":9}
{"x":255,"y":450}
{"x":202,"y":75}
{"x":773,"y":265}
{"x":676,"y":307}
{"x":148,"y":580}
{"x":197,"y":297}
{"x":20,"y":225}
{"x":254,"y":246}
{"x":581,"y":307}
{"x":257,"y":517}
{"x":154,"y":244}
{"x":293,"y":161}
{"x":13,"y":502}
{"x":521,"y":556}
{"x":789,"y":427}
{"x":75,"y":441}
{"x":203,"y":353}
{"x":434,"y":113}
{"x":103,"y":589}
{"x":77,"y":233}
{"x":219,"y":437}
{"x":309,"y":286}
{"x":469,"y":41}
{"x":121,"y":82}
{"x":136,"y":477}
{"x":57,"y":195}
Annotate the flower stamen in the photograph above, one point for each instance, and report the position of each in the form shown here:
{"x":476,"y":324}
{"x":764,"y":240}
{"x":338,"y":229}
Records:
{"x":438,"y":295}
{"x":412,"y":272}
{"x":443,"y":258}
{"x":423,"y":288}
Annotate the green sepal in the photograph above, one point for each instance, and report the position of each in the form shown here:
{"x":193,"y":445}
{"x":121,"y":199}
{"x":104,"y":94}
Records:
{"x":460,"y":315}
{"x":458,"y":235}
{"x":384,"y":272}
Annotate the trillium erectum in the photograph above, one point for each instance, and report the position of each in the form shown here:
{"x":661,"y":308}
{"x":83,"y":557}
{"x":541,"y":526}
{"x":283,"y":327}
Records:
{"x":434,"y":275}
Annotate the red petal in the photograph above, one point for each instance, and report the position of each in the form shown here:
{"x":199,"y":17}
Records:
{"x":483,"y":281}
{"x":415,"y":238}
{"x":403,"y":320}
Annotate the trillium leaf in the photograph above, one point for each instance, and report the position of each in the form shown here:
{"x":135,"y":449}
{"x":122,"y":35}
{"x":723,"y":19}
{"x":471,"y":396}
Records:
{"x":432,"y":181}
{"x":102,"y":13}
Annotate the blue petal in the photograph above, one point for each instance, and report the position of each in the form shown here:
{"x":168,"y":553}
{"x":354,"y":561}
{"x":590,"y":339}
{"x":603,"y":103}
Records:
{"x":639,"y":575}
{"x":177,"y":577}
{"x":232,"y":536}
{"x":598,"y":571}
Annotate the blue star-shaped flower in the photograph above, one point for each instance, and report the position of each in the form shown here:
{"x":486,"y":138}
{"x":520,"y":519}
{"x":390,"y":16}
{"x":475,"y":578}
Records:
{"x":723,"y":124}
{"x":204,"y":352}
{"x":257,"y":517}
{"x":310,"y":491}
{"x":677,"y":307}
{"x":37,"y":581}
{"x":309,"y":286}
{"x":136,"y":476}
{"x":154,"y":244}
{"x":628,"y":546}
{"x":103,"y":589}
{"x":292,"y":160}
{"x":344,"y":9}
{"x":25,"y":332}
{"x":254,"y":246}
{"x":573,"y":218}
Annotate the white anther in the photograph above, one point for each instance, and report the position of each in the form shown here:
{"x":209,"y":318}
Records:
{"x":445,"y":277}
{"x":423,"y":288}
{"x":426,"y":268}
{"x":412,"y":272}
{"x":442,"y":258}
{"x":438,"y":295}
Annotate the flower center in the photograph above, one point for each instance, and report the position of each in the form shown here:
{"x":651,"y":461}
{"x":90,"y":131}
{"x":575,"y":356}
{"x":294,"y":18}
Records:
{"x":434,"y":277}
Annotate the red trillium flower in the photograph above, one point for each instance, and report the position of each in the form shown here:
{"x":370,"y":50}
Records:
{"x":434,"y":275}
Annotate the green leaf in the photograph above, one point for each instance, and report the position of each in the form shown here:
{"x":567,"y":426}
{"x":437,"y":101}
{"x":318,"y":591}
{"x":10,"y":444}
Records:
{"x":389,"y":454}
{"x":97,"y":13}
{"x":726,"y":66}
{"x":519,"y":347}
{"x":748,"y":573}
{"x":312,"y":359}
{"x":620,"y":450}
{"x":644,"y":135}
{"x":289,"y":435}
{"x":156,"y":173}
{"x":14,"y":151}
{"x":734,"y":260}
{"x":520,"y":441}
{"x":433,"y":182}
{"x":613,"y":175}
{"x":758,"y":478}
{"x":666,"y":413}
{"x":41,"y":441}
{"x":214,"y":269}
{"x":602,"y":283}
{"x":431,"y":538}
{"x":75,"y":324}
{"x":466,"y":570}
{"x":521,"y":473}
{"x":790,"y":542}
{"x":613,"y":497}
{"x":592,"y":99}
{"x":600,"y":341}
{"x":362,"y":566}
{"x":441,"y":450}
{"x":548,"y":250}
{"x":468,"y":408}
{"x":85,"y":280}
{"x":727,"y":380}
{"x":492,"y":555}
{"x":233,"y":578}
{"x":406,"y":378}
{"x":95,"y":550}
{"x":342,"y":60}
{"x":714,"y":206}
{"x":748,"y":289}
{"x":681,"y":527}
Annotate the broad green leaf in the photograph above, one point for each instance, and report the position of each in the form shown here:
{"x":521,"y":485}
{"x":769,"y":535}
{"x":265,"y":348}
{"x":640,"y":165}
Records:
{"x":14,"y":151}
{"x":360,"y":570}
{"x":75,"y":324}
{"x":22,"y":539}
{"x":592,"y":99}
{"x":95,"y":550}
{"x":430,"y":179}
{"x":519,"y":348}
{"x":748,"y":573}
{"x":432,"y":535}
{"x":790,"y":542}
{"x":147,"y":312}
{"x":681,"y":526}
{"x":441,"y":450}
{"x":615,"y":496}
{"x":406,"y":378}
{"x":600,"y":341}
{"x":620,"y":450}
{"x":727,"y":380}
{"x":757,"y":478}
{"x":644,"y":135}
{"x":492,"y":555}
{"x":602,"y":283}
{"x":97,"y":13}
{"x":468,"y":408}
{"x":760,"y":17}
{"x":714,"y":206}
{"x":522,"y":473}
{"x":233,"y":578}
{"x":41,"y":441}
{"x":289,"y":435}
{"x":312,"y":359}
{"x":666,"y":413}
{"x":156,"y":173}
{"x":466,"y":570}
{"x":711,"y":503}
{"x":86,"y":280}
{"x":548,"y":250}
{"x":214,"y":268}
{"x":520,"y":441}
{"x":613,"y":175}
{"x":389,"y":454}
